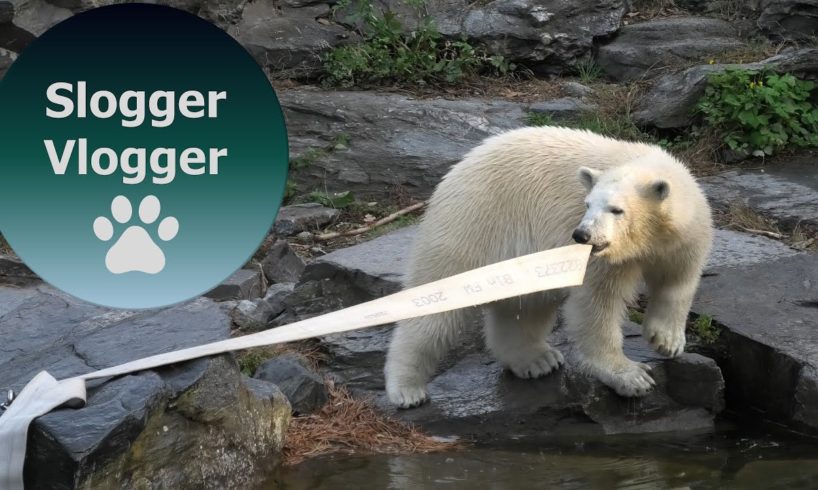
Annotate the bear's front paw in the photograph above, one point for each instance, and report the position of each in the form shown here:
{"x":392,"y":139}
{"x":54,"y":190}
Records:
{"x":548,"y":361}
{"x":631,"y":379}
{"x":666,"y":341}
{"x":406,"y":396}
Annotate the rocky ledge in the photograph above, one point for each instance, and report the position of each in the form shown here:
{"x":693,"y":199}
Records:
{"x":200,"y":424}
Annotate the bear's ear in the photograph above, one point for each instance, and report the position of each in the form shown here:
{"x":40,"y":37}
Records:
{"x":659,"y":189}
{"x":588,"y":177}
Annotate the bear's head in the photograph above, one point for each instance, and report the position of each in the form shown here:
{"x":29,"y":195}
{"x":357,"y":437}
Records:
{"x":627,"y":212}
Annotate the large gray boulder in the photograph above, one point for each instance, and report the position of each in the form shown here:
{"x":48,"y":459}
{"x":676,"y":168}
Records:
{"x":786,"y":191}
{"x":288,"y":41}
{"x":305,"y":389}
{"x":639,"y":49}
{"x":768,"y":312}
{"x":198,"y":424}
{"x":393,"y":140}
{"x":547,"y":36}
{"x":789,"y":19}
{"x":670,"y":101}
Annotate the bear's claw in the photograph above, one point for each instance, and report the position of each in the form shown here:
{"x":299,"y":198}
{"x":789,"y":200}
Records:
{"x":546,"y":363}
{"x":630,"y":380}
{"x":635,"y":381}
{"x":407,"y":397}
{"x":668,"y":342}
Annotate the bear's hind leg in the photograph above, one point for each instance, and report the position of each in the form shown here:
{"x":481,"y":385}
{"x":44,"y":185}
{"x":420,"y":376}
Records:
{"x":516,"y":334}
{"x":417,"y":347}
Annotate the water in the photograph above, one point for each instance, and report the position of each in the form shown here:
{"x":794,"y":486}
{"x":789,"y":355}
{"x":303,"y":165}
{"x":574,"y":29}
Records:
{"x":729,"y":459}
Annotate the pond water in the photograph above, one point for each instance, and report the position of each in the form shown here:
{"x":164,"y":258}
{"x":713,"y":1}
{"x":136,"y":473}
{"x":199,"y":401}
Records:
{"x":728,"y":459}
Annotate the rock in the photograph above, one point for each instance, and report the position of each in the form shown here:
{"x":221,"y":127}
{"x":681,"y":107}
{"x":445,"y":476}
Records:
{"x":670,"y":101}
{"x":786,"y":191}
{"x":394,"y":140}
{"x":768,"y":312}
{"x":562,"y":109}
{"x":733,"y":249}
{"x":576,"y":89}
{"x":13,"y":270}
{"x":6,"y":12}
{"x":277,"y":293}
{"x":305,"y":390}
{"x":699,"y":6}
{"x":223,"y":13}
{"x":289,"y":41}
{"x":789,"y":19}
{"x":546,"y":36}
{"x":185,"y":426}
{"x":6,"y":58}
{"x":305,"y":236}
{"x":242,"y":284}
{"x":281,"y":264}
{"x":250,"y":315}
{"x":37,"y":16}
{"x":303,"y":217}
{"x":641,"y":48}
{"x":255,"y":315}
{"x":375,"y":268}
{"x":12,"y":37}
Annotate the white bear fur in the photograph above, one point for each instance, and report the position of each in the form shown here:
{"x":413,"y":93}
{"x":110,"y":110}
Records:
{"x":522,"y":192}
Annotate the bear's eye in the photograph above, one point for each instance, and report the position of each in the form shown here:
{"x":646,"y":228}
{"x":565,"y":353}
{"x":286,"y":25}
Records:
{"x":616,"y":211}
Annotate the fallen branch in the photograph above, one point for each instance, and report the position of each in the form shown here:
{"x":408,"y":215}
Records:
{"x":768,"y":234}
{"x":358,"y":231}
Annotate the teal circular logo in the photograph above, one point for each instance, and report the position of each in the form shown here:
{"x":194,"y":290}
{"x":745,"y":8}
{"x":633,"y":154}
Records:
{"x":143,"y":156}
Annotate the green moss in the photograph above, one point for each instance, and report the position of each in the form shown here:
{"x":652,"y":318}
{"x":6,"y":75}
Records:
{"x":635,"y":316}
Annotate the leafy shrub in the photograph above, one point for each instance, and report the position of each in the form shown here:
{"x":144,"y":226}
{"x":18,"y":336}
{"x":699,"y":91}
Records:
{"x":388,"y":54}
{"x":759,"y":113}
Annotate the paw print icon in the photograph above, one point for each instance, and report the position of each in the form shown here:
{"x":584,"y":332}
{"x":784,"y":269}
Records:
{"x":135,"y":250}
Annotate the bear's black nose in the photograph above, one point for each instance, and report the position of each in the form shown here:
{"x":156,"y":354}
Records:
{"x":581,"y":236}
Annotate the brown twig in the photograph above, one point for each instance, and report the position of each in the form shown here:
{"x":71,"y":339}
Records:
{"x":358,"y":231}
{"x":768,"y":234}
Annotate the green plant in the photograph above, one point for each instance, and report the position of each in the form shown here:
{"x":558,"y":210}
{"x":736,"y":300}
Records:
{"x":679,"y":142}
{"x":390,"y":54}
{"x":635,"y":316}
{"x":705,"y":329}
{"x":588,"y":70}
{"x":759,"y":113}
{"x":539,"y":119}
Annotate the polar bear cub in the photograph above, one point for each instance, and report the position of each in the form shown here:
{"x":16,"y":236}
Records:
{"x":534,"y":189}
